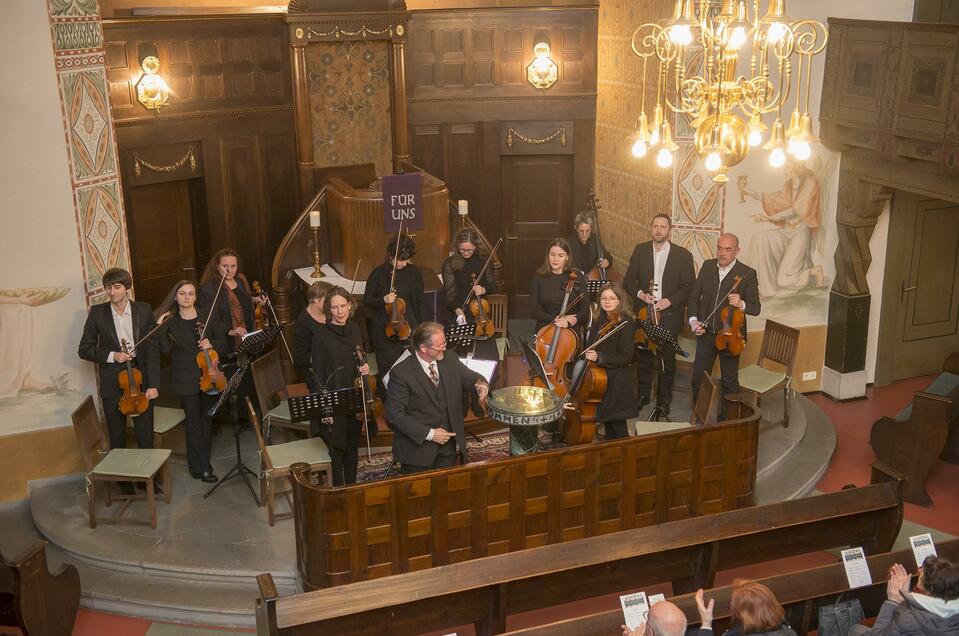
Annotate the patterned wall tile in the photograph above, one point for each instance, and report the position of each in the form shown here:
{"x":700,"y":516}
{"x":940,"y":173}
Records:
{"x":73,"y":8}
{"x":73,"y":36}
{"x":701,"y":242}
{"x":102,"y":230}
{"x":88,"y":123}
{"x":350,"y":103}
{"x":699,"y":200}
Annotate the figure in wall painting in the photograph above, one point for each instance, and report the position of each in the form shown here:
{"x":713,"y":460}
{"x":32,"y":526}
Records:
{"x":17,"y":340}
{"x":783,"y":255}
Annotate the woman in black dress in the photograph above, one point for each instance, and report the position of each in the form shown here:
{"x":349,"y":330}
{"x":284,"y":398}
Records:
{"x":549,"y":286}
{"x":234,"y":305}
{"x":305,"y":329}
{"x":336,"y":345}
{"x":180,"y":337}
{"x":615,"y":354}
{"x":458,"y":270}
{"x":408,"y":286}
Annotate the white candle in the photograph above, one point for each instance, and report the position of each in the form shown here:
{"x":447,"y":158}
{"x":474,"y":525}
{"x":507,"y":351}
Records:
{"x":314,"y":218}
{"x":463,"y":207}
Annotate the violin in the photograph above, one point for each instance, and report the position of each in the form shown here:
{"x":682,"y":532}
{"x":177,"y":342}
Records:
{"x":212,"y":380}
{"x":479,"y":308}
{"x":372,"y":406}
{"x":133,"y":402}
{"x":732,"y":319}
{"x":260,"y":318}
{"x":397,"y":326}
{"x":644,"y":313}
{"x":556,"y":346}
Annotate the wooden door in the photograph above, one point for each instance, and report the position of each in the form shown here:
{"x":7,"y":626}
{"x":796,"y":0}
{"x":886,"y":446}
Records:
{"x":537,"y":207}
{"x":920,"y":322}
{"x":160,"y":223}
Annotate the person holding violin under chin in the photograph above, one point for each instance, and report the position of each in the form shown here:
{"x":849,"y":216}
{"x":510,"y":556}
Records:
{"x":725,"y":291}
{"x":108,"y":326}
{"x":548,"y":288}
{"x":190,"y":340}
{"x":394,"y":294}
{"x":615,"y":356}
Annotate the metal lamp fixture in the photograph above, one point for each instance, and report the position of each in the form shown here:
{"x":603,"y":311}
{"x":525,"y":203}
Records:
{"x":152,"y":90}
{"x":724,"y":108}
{"x":542,"y":72}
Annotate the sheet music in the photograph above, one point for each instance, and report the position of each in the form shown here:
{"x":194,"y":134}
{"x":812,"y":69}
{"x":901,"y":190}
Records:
{"x":635,"y":608}
{"x":250,"y":333}
{"x":857,"y":570}
{"x":656,"y":598}
{"x":385,"y":378}
{"x":485,"y":368}
{"x":922,"y":547}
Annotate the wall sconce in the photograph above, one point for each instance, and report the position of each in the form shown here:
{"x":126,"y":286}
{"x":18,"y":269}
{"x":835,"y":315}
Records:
{"x":152,"y":90}
{"x":542,"y":71}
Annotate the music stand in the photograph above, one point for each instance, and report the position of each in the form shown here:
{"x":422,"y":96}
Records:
{"x":660,"y":336}
{"x":593,"y":286}
{"x":536,"y":367}
{"x":250,"y":347}
{"x":347,"y":402}
{"x":462,"y":335}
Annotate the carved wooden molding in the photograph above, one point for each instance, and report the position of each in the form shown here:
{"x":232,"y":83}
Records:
{"x":860,"y":204}
{"x":331,"y":28}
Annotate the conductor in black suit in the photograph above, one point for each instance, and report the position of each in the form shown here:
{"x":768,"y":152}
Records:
{"x":670,"y":268}
{"x":709,"y":295}
{"x":424,"y":402}
{"x":106,"y":325}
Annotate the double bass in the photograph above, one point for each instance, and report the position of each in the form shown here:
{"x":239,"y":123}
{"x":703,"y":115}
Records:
{"x":556,"y":346}
{"x":592,"y":207}
{"x":587,"y":390}
{"x":731,"y":319}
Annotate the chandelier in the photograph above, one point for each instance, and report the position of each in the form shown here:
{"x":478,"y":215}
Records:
{"x":746,"y":64}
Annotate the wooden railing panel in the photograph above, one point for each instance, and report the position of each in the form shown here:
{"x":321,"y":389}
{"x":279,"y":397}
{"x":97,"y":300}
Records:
{"x":450,"y":516}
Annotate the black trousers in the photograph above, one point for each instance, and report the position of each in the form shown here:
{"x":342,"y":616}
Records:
{"x":344,"y":458}
{"x":706,"y":354}
{"x":616,"y":429}
{"x":445,"y":457}
{"x":199,"y":431}
{"x":645,"y":359}
{"x":117,"y":424}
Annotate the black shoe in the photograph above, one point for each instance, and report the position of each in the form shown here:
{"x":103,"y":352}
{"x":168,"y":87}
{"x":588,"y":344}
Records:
{"x":141,"y":485}
{"x":126,"y":488}
{"x":208,"y":477}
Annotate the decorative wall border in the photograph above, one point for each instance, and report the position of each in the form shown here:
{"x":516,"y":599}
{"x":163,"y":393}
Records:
{"x":76,"y":35}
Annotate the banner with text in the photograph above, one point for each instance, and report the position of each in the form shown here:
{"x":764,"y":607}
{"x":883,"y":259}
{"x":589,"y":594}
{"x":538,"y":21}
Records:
{"x":403,"y":201}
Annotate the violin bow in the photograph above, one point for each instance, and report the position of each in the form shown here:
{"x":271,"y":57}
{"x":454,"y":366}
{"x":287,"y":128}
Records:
{"x":212,"y":305}
{"x":396,"y":255}
{"x":489,"y":259}
{"x":133,"y":347}
{"x":276,"y":321}
{"x":366,"y":415}
{"x":604,"y":338}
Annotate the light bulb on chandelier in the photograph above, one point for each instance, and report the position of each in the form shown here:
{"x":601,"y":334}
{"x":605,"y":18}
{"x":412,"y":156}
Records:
{"x":777,"y":158}
{"x":664,"y":158}
{"x":799,"y":148}
{"x":713,"y":162}
{"x":755,"y":137}
{"x":640,"y":149}
{"x":681,"y":34}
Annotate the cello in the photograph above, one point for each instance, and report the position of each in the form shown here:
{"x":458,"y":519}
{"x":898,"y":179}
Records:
{"x":731,"y":320}
{"x":644,"y":312}
{"x":133,"y":402}
{"x":556,"y":346}
{"x":587,"y":391}
{"x":212,"y":379}
{"x":397,"y":326}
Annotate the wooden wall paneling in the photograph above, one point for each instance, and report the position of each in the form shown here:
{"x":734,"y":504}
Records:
{"x":280,"y":208}
{"x":243,"y":199}
{"x":464,"y":147}
{"x":490,"y":213}
{"x":428,"y":143}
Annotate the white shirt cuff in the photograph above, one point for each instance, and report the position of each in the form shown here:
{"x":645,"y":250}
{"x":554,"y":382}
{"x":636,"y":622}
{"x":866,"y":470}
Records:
{"x":110,"y":357}
{"x":429,"y":436}
{"x":692,"y":319}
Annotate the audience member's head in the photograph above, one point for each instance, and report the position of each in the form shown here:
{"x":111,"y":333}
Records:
{"x":939,"y":578}
{"x":754,"y":606}
{"x":665,"y":619}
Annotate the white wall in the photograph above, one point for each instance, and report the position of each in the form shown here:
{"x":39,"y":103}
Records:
{"x":39,"y":240}
{"x":877,"y":247}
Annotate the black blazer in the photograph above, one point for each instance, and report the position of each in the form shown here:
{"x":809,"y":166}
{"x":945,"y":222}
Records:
{"x":616,"y":355}
{"x":707,"y":291}
{"x":179,"y":338}
{"x":221,"y":313}
{"x":100,"y":338}
{"x":678,"y":278}
{"x":412,"y":408}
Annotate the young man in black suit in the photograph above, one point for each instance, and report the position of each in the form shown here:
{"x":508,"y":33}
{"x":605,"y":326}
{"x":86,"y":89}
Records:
{"x":424,"y":402}
{"x":670,"y":267}
{"x":106,"y":325}
{"x":716,"y":279}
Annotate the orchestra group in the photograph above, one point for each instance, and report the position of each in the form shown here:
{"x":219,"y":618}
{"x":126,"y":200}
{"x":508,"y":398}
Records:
{"x":601,"y":345}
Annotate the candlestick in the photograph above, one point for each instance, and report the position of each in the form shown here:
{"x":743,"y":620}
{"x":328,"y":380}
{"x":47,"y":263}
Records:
{"x":314,"y":218}
{"x":462,"y":207}
{"x":317,"y":272}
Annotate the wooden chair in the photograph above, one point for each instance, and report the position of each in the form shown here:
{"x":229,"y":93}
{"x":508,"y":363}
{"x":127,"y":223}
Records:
{"x":272,"y":394}
{"x":33,"y":599}
{"x":165,"y":420}
{"x":275,"y":462}
{"x":498,"y":309}
{"x":704,"y":412}
{"x":118,"y":464}
{"x":779,"y":345}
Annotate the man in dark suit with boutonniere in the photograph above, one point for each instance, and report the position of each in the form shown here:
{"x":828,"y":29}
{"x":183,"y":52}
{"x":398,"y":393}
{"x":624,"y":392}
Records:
{"x":107,"y":325}
{"x":424,"y":403}
{"x":712,"y":291}
{"x":670,"y":268}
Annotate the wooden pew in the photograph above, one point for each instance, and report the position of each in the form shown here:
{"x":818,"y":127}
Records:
{"x":801,"y":594}
{"x":913,"y":441}
{"x":35,"y":600}
{"x":415,"y":522}
{"x":687,"y":553}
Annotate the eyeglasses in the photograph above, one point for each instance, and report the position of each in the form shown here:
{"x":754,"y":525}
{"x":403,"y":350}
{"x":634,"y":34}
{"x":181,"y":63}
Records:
{"x":467,"y":250}
{"x":438,"y":347}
